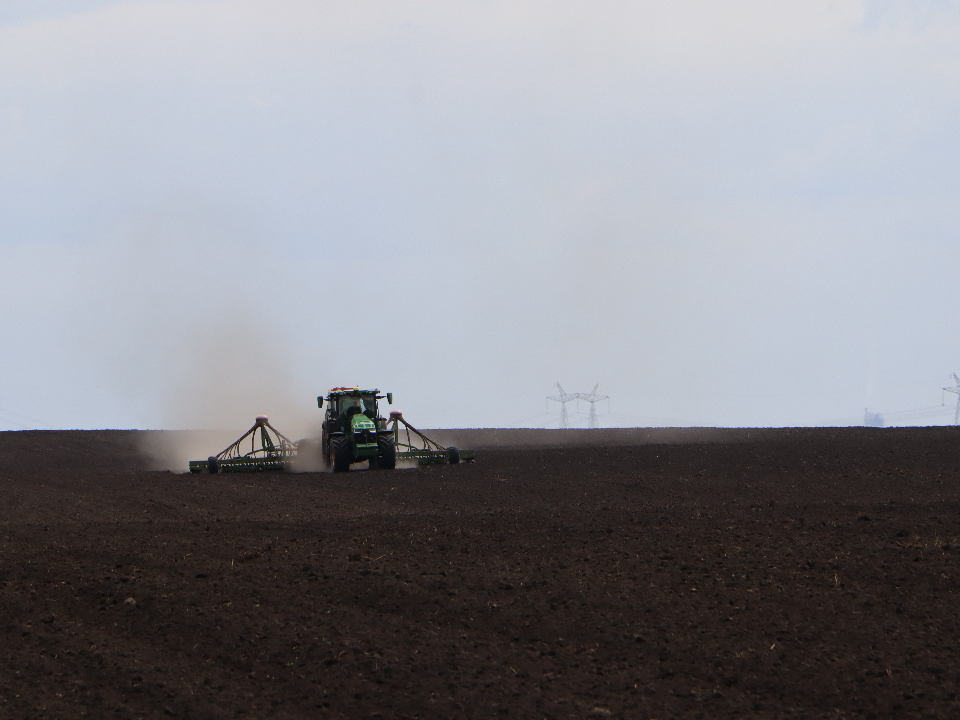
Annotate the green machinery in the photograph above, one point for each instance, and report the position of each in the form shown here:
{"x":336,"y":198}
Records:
{"x":413,"y":444}
{"x":353,"y":431}
{"x":274,"y":453}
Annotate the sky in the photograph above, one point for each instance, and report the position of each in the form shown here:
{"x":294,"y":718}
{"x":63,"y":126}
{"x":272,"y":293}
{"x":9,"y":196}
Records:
{"x":727,"y":214}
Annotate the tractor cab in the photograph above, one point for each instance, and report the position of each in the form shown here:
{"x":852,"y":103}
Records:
{"x":350,"y":405}
{"x":344,"y":405}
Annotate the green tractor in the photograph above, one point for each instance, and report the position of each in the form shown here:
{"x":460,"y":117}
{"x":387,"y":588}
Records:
{"x":353,"y":430}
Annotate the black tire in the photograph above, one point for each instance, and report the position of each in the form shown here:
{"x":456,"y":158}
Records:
{"x":453,"y":455}
{"x":387,"y":456}
{"x":213,"y":467}
{"x":341,"y":454}
{"x":373,"y":464}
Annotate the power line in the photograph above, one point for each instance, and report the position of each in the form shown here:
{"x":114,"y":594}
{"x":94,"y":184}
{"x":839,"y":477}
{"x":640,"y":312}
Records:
{"x":10,"y":414}
{"x":955,"y":390}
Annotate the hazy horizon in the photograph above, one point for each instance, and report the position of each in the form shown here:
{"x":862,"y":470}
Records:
{"x":732,"y":214}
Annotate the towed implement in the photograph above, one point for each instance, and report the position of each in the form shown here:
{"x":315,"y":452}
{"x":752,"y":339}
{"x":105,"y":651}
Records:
{"x":413,"y":444}
{"x":273,"y":454}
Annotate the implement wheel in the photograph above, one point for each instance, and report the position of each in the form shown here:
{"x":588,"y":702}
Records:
{"x":341,"y":454}
{"x":387,"y":446}
{"x":453,"y":455}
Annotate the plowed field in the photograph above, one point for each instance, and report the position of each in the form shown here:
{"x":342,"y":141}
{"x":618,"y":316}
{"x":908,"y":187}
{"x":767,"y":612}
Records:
{"x":623,"y":574}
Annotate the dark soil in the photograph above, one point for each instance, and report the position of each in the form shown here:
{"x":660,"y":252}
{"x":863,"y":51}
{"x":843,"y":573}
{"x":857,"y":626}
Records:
{"x":631,"y":574}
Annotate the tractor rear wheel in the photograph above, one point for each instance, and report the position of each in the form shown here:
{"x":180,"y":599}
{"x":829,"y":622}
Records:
{"x":387,"y":455}
{"x":341,"y":454}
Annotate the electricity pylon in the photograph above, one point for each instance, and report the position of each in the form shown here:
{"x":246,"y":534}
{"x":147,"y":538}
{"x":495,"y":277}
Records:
{"x":563,"y":398}
{"x":956,"y":391}
{"x":593,"y":399}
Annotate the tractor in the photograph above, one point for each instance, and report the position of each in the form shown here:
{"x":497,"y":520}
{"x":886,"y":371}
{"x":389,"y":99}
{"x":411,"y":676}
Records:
{"x":353,"y":430}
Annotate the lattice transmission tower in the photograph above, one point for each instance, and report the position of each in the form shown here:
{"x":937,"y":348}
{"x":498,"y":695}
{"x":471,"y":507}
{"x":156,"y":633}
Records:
{"x":593,"y":399}
{"x":563,"y":398}
{"x":956,"y":391}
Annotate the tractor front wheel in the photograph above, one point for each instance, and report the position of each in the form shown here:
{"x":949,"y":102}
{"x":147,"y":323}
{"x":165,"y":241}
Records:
{"x":387,"y":455}
{"x":341,"y":454}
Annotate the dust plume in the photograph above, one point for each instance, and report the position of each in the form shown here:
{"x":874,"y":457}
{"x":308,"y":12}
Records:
{"x":229,"y":374}
{"x":223,"y":378}
{"x":174,"y":449}
{"x":187,"y":333}
{"x":310,"y":455}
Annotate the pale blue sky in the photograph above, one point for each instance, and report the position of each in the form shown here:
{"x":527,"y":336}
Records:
{"x":736,"y":213}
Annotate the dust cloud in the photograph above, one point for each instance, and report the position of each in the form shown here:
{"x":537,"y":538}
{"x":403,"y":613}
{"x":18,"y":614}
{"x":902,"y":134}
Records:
{"x":230,"y":374}
{"x":225,"y":376}
{"x":174,"y":449}
{"x":185,"y":332}
{"x":309,"y":455}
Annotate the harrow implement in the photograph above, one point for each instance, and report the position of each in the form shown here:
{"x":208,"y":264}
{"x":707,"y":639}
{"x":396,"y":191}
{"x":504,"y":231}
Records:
{"x":421,"y":448}
{"x":273,"y":454}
